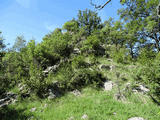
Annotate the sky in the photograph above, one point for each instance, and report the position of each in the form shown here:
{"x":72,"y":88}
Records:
{"x":35,"y":18}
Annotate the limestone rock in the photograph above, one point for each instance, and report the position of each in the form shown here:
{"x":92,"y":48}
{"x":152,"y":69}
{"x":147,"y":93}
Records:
{"x":50,"y":69}
{"x":84,"y":117}
{"x":76,"y":51}
{"x":8,"y":99}
{"x":108,"y":85}
{"x":51,"y":95}
{"x":105,"y":67}
{"x":33,"y":109}
{"x":136,"y":118}
{"x":76,"y":92}
{"x":71,"y":118}
{"x":141,"y":89}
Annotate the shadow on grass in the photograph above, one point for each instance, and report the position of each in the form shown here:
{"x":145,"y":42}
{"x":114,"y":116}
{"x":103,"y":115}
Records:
{"x":11,"y":114}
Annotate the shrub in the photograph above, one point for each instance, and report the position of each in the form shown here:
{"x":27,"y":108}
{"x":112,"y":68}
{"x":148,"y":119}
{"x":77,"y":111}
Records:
{"x":146,"y":56}
{"x":93,"y":45}
{"x":79,"y":62}
{"x":150,"y":75}
{"x":120,"y":56}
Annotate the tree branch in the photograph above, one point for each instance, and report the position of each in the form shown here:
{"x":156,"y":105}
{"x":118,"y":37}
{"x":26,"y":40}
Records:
{"x":99,"y":7}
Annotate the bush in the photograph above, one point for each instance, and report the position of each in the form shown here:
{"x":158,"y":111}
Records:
{"x":150,"y":75}
{"x":146,"y":56}
{"x":93,"y":45}
{"x":120,"y":56}
{"x":79,"y":62}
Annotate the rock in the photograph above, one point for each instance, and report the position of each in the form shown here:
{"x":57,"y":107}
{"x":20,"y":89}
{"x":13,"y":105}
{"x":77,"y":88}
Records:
{"x":14,"y":101}
{"x":106,"y":67}
{"x":71,"y":118}
{"x":109,"y":60}
{"x":33,"y":110}
{"x":141,"y":89}
{"x":11,"y":94}
{"x":21,"y":87}
{"x":136,"y":118}
{"x":119,"y":96}
{"x":114,"y":113}
{"x":76,"y":51}
{"x":51,"y":69}
{"x":84,"y":117}
{"x":76,"y":92}
{"x":9,"y":98}
{"x":127,"y":87}
{"x":51,"y":95}
{"x":31,"y":118}
{"x":45,"y":105}
{"x":112,"y":67}
{"x":108,"y":85}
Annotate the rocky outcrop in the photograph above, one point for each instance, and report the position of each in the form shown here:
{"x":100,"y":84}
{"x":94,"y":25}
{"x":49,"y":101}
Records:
{"x":10,"y":98}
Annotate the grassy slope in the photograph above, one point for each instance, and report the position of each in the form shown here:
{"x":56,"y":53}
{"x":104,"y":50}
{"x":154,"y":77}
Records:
{"x":97,"y":104}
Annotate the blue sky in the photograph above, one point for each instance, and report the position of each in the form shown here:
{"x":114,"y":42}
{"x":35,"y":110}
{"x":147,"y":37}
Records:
{"x":36,"y":18}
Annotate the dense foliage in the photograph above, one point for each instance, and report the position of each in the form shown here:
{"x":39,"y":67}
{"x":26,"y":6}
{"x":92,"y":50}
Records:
{"x":133,"y":38}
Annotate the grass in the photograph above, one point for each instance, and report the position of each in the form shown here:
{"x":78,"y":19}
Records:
{"x":97,"y":104}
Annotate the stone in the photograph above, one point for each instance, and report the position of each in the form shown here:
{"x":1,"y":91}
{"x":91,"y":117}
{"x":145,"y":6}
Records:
{"x":136,"y":118}
{"x":71,"y":118}
{"x":50,"y":69}
{"x":45,"y":105}
{"x":8,"y":99}
{"x":119,"y":96}
{"x":33,"y":109}
{"x":76,"y":92}
{"x":141,"y":89}
{"x":108,"y":85}
{"x":106,"y":67}
{"x":76,"y":51}
{"x":84,"y":117}
{"x":112,"y":67}
{"x":51,"y":95}
{"x":22,"y":88}
{"x":114,"y":113}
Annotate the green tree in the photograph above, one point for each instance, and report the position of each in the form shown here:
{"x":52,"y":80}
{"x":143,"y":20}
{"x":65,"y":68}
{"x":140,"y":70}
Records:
{"x":71,"y":26}
{"x":20,"y":43}
{"x":143,"y":15}
{"x":89,"y":21}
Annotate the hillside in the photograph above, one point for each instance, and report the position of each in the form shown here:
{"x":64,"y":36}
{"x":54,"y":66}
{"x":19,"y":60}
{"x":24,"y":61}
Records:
{"x":87,"y":69}
{"x":90,"y":102}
